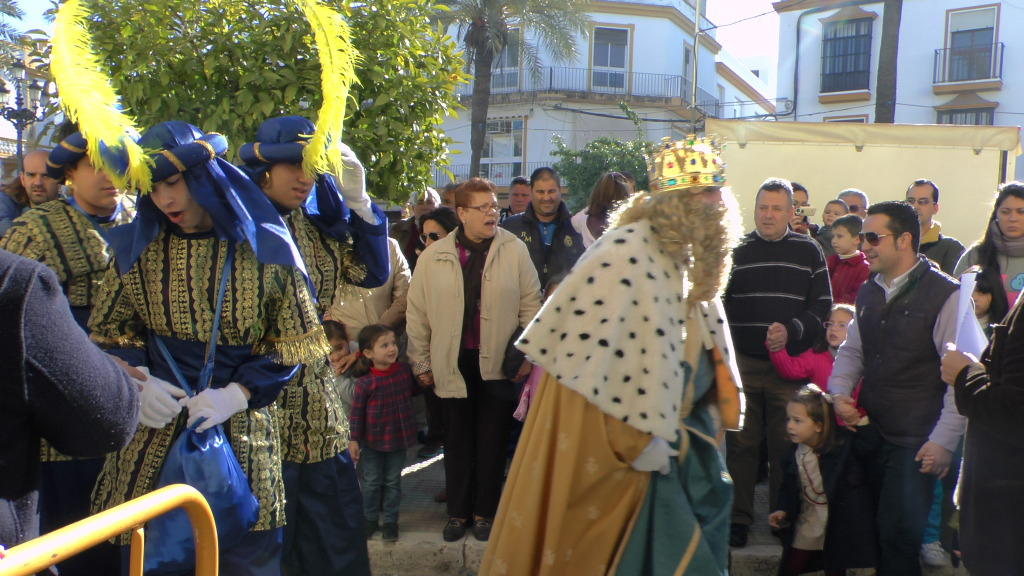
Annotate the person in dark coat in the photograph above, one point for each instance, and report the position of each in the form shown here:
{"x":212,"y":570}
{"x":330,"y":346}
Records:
{"x":546,"y":227}
{"x":990,"y":393}
{"x":839,"y":482}
{"x":56,"y":385}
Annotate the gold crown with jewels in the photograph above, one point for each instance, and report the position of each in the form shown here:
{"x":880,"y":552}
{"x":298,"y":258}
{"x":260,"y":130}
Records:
{"x":690,"y":163}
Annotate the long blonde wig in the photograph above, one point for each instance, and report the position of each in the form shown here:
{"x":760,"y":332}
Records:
{"x":698,"y":236}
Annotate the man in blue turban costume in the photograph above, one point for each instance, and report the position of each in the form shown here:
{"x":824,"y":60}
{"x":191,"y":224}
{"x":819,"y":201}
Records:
{"x":342,"y":237}
{"x":205,"y":221}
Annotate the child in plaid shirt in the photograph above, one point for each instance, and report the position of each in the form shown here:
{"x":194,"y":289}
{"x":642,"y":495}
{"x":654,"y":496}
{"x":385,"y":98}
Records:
{"x":382,"y":426}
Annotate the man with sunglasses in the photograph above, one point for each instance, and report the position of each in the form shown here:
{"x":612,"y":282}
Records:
{"x":856,"y":201}
{"x":777,"y":297}
{"x":906,"y":313}
{"x":546,"y":227}
{"x":945,"y":251}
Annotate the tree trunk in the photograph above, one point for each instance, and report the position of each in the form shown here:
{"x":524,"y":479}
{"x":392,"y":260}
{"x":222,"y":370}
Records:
{"x":482,"y":61}
{"x":885,"y":85}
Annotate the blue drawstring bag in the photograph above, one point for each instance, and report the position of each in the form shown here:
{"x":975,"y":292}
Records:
{"x":205,"y":461}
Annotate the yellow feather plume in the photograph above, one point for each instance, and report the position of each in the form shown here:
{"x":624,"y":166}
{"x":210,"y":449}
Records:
{"x":88,"y":98}
{"x":337,"y":73}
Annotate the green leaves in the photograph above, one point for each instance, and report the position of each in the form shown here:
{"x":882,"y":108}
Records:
{"x":580,"y":169}
{"x":228,"y":65}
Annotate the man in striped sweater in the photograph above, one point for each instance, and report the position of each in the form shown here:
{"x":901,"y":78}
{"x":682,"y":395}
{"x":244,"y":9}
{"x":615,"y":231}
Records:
{"x":777,"y":297}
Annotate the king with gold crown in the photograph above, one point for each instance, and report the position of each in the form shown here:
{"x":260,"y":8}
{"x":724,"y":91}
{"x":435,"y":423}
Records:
{"x":617,"y":470}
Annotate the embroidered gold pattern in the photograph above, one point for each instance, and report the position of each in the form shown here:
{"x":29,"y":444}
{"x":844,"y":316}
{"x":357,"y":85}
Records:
{"x":173,"y":160}
{"x":266,"y":306}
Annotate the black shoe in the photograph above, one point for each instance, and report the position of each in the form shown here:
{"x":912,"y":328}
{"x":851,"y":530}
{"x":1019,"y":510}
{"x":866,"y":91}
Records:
{"x":429,"y":450}
{"x":455,"y":530}
{"x":482,"y":529}
{"x":738,"y":535}
{"x":371,"y":527}
{"x":390,"y":532}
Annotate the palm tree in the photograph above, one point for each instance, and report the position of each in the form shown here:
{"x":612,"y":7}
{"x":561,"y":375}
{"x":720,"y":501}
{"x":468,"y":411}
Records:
{"x":885,"y":84}
{"x":487,"y":27}
{"x":10,"y":37}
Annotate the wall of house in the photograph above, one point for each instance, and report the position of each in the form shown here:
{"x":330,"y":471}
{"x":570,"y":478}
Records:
{"x":656,"y":48}
{"x":923,"y":31}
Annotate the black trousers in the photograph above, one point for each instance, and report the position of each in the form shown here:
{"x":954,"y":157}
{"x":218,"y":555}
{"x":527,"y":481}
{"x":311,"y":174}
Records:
{"x":435,"y":416}
{"x":476,"y":441}
{"x":324,"y":511}
{"x":65,"y":493}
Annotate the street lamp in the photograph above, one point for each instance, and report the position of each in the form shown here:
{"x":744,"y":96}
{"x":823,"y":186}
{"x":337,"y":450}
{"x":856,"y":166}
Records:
{"x":20,"y":115}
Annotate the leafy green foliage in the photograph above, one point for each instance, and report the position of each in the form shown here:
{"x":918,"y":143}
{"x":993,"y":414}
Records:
{"x":228,"y":65}
{"x":580,"y":169}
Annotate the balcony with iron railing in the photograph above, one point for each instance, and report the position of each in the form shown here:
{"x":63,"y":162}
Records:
{"x":966,"y":68}
{"x":515,"y":84}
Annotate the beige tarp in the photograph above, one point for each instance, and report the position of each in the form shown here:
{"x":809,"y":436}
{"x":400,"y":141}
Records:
{"x":966,"y":163}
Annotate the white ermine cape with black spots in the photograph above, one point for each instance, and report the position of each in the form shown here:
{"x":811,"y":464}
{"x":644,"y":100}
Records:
{"x":613,"y":330}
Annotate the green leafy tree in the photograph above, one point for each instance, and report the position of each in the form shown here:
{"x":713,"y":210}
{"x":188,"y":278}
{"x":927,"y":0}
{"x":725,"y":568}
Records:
{"x":228,"y":65}
{"x":580,"y":169}
{"x":485,"y":29}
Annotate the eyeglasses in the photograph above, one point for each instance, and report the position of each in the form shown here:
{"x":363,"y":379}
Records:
{"x":830,"y":325}
{"x":873,"y":238}
{"x":434,"y":237}
{"x":920,"y":201}
{"x":853,"y":208}
{"x":484,"y":208}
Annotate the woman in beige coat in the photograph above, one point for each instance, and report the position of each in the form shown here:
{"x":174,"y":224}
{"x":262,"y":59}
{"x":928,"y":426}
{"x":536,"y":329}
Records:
{"x":469,"y":293}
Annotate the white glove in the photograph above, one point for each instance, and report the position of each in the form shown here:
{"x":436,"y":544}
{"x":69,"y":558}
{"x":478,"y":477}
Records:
{"x":214,"y":405}
{"x":655,"y":457}
{"x":352,"y":182}
{"x":159,"y":400}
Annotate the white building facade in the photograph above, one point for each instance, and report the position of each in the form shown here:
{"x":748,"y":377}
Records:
{"x":638,"y":52}
{"x":956,"y":63}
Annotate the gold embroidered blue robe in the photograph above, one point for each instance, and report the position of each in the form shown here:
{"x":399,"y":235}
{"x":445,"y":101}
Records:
{"x":67,"y":241}
{"x":268,"y":325}
{"x":313,"y":424}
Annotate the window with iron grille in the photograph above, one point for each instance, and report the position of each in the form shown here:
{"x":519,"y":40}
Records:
{"x":967,"y":117}
{"x":846,"y":55}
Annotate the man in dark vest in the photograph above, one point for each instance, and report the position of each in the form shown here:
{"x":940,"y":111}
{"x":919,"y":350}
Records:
{"x":546,"y":228}
{"x":906,"y":312}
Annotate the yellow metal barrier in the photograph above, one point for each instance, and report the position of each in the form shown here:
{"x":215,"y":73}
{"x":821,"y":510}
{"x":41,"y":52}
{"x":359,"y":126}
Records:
{"x":49,"y":549}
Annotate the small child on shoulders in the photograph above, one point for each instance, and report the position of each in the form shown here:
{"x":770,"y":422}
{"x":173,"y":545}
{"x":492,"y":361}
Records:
{"x":826,"y":510}
{"x":383,"y":426}
{"x":833,"y":209}
{"x":847,"y":268}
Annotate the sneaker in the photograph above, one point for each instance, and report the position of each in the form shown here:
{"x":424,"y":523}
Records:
{"x":455,"y":530}
{"x":738,"y":535}
{"x":482,"y":529}
{"x":933,"y":555}
{"x":390,"y":532}
{"x":371,"y":527}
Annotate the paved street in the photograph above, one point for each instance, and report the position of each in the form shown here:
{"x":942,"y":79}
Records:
{"x":420,"y":550}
